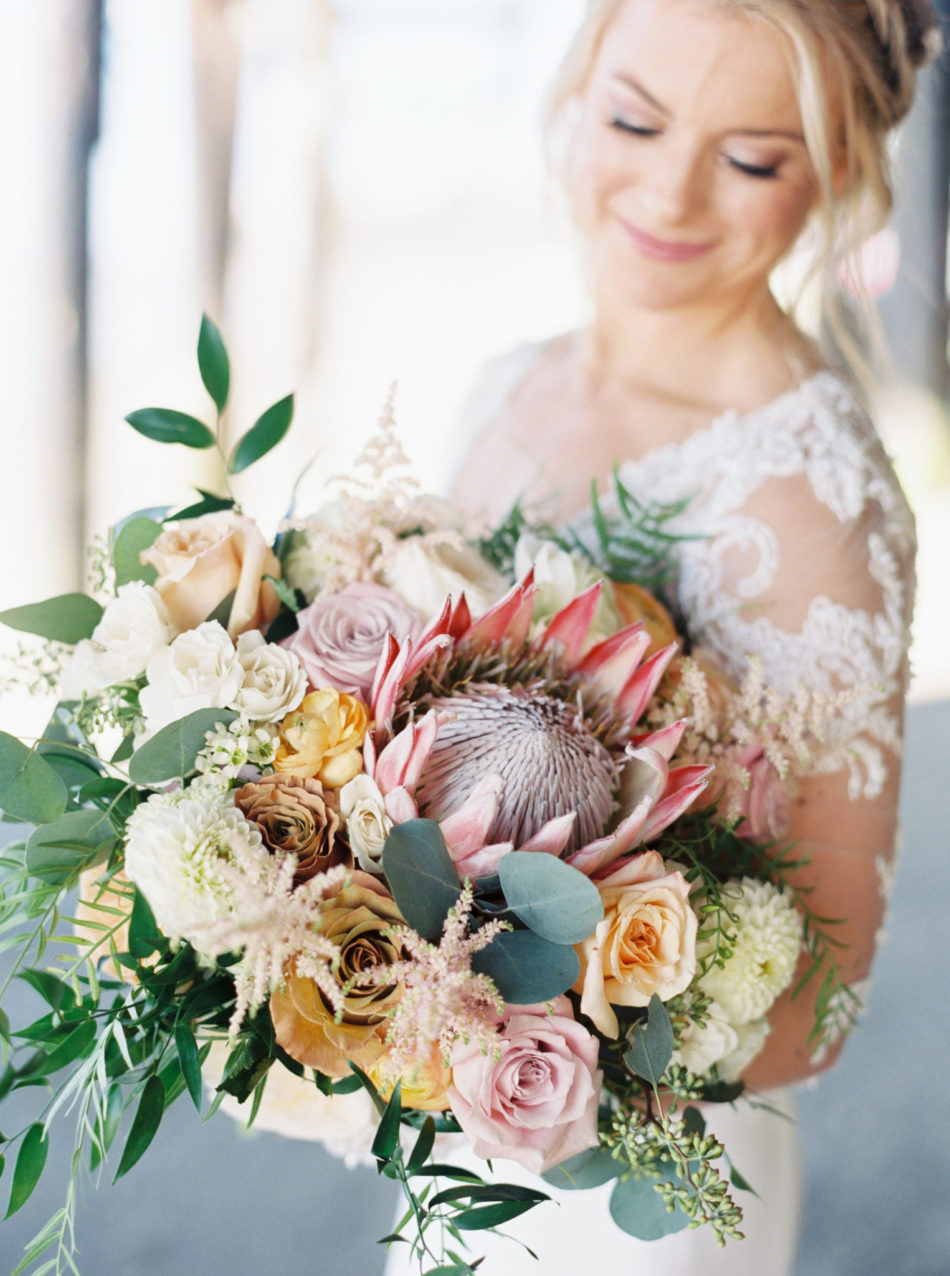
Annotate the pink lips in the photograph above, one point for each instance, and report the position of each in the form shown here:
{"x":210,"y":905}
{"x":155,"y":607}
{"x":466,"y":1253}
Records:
{"x":663,"y":249}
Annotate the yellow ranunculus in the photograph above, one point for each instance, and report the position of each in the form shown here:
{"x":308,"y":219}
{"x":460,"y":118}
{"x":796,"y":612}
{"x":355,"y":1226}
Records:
{"x":424,"y":1082}
{"x":323,"y":737}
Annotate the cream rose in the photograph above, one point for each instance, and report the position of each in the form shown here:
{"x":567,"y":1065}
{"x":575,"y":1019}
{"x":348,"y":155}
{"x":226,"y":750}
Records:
{"x":199,"y":670}
{"x":202,"y":560}
{"x":363,"y":808}
{"x":645,"y":944}
{"x":134,"y":626}
{"x":273,"y":682}
{"x":426,"y":570}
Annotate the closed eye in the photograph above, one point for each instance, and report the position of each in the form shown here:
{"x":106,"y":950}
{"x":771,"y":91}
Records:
{"x":637,"y":130}
{"x":754,"y":170}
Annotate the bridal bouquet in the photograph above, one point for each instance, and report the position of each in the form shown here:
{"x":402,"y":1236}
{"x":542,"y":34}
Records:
{"x":381,"y":818}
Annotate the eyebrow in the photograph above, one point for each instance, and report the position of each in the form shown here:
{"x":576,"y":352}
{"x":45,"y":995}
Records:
{"x":628,"y":82}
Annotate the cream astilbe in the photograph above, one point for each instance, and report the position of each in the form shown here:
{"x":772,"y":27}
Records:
{"x":275,"y":924}
{"x":444,"y":1001}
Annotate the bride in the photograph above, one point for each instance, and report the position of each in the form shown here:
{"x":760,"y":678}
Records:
{"x":704,"y":139}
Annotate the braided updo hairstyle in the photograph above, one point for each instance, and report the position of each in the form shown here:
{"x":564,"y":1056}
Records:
{"x":855,"y":66}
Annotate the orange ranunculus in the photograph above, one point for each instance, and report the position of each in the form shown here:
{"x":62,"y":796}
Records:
{"x":634,"y":603}
{"x":322,"y":738}
{"x":202,"y":560}
{"x":358,"y":920}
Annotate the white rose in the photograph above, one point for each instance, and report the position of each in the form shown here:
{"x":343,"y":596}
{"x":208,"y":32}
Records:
{"x":274,"y":681}
{"x":134,"y":626}
{"x":363,"y":808}
{"x":750,"y":1038}
{"x":702,"y":1045}
{"x":200,"y":670}
{"x":424,"y":571}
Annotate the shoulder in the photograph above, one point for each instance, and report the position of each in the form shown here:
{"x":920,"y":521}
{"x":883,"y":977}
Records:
{"x":501,"y":378}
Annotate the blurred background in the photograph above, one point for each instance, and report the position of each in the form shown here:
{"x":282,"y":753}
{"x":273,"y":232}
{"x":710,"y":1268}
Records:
{"x":355,"y":192}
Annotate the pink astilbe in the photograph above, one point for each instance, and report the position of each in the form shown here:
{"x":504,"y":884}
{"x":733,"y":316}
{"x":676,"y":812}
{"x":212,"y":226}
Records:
{"x":444,"y":1001}
{"x":274,"y":923}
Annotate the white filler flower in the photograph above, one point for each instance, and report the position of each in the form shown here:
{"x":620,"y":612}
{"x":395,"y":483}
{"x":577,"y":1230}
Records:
{"x":182,"y":851}
{"x":768,"y":940}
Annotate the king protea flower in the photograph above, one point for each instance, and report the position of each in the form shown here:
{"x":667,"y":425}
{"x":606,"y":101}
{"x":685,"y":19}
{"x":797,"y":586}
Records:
{"x":527,"y":744}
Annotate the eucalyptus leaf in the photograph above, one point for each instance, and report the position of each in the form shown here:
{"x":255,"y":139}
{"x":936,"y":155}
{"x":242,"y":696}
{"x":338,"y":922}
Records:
{"x":554,"y":900}
{"x":421,"y":875}
{"x":66,"y":618}
{"x":213,"y":363}
{"x":171,"y":752}
{"x":266,"y":432}
{"x":30,"y":788}
{"x":56,"y":853}
{"x":639,"y":1210}
{"x":30,"y":1161}
{"x":74,"y":767}
{"x":148,"y":1116}
{"x":135,"y":536}
{"x":586,"y":1170}
{"x":651,"y":1043}
{"x":165,"y":425}
{"x":526,"y":968}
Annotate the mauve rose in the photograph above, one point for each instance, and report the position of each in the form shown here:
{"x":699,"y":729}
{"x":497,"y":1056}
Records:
{"x":296,"y":817}
{"x":201,"y":560}
{"x":341,"y":636}
{"x":533,"y":1098}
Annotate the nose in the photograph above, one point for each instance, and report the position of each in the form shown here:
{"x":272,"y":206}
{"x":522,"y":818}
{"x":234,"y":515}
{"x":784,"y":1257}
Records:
{"x":674,"y":185}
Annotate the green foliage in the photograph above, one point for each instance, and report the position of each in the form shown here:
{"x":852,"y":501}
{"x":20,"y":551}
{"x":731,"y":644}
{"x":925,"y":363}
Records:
{"x":588,"y":1169}
{"x":209,"y":504}
{"x":165,"y":425}
{"x":638,"y":1208}
{"x":549,"y":897}
{"x":170,"y":753}
{"x":57,"y":853}
{"x":421,"y":875}
{"x":30,"y":1162}
{"x":266,"y":432}
{"x":213,"y":363}
{"x":526,"y":968}
{"x":30,"y":788}
{"x":66,"y":618}
{"x":651,"y":1044}
{"x":134,"y":536}
{"x":148,"y":1116}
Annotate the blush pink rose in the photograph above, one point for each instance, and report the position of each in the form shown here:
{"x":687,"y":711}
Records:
{"x":341,"y":636}
{"x":534,"y":1098}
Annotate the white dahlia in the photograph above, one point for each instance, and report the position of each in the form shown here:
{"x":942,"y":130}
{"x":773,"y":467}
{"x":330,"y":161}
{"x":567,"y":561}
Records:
{"x":766,"y":938}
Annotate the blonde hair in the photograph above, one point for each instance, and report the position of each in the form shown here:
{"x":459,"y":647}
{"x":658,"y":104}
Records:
{"x":855,"y":64}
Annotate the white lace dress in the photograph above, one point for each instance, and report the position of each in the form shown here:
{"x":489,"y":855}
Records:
{"x":803,"y":554}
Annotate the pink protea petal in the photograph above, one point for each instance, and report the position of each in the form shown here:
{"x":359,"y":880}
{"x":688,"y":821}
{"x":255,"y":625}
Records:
{"x":645,"y":774}
{"x":495,"y":624}
{"x":683,"y":787}
{"x":611,"y":663}
{"x":466,"y":829}
{"x":401,"y":670}
{"x":483,"y":863}
{"x":570,"y":627}
{"x":635,"y":696}
{"x":552,"y":837}
{"x":665,"y":741}
{"x":400,"y":805}
{"x":596,"y":856}
{"x":387,"y":658}
{"x":402,"y":760}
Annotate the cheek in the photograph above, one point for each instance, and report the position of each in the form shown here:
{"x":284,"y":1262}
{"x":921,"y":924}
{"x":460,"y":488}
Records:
{"x":594,"y":166}
{"x":779,"y":213}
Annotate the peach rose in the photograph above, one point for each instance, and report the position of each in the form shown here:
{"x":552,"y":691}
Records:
{"x":645,"y":944}
{"x":322,"y":738}
{"x":201,"y":560}
{"x":296,"y":817}
{"x":358,"y":920}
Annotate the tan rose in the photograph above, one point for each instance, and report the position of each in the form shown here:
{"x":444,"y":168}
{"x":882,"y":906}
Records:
{"x":645,"y":944}
{"x":634,"y":603}
{"x":296,"y":817}
{"x":201,"y":560}
{"x":357,"y":920}
{"x":424,"y":1082}
{"x":322,"y":738}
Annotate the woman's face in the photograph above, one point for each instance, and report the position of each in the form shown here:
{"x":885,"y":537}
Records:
{"x":688,"y":172}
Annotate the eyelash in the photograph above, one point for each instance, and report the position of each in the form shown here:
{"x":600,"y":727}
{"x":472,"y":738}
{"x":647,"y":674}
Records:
{"x":763,"y":172}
